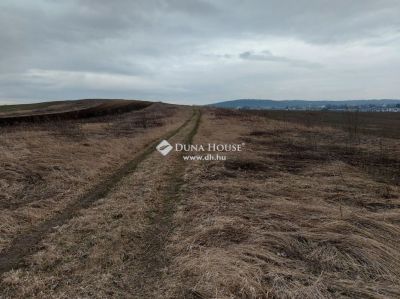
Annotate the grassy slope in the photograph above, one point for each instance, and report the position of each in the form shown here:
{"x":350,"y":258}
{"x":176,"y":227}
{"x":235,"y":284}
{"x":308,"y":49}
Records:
{"x":42,"y":112}
{"x":45,"y":106}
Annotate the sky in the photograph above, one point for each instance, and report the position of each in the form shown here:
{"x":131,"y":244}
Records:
{"x":199,"y":51}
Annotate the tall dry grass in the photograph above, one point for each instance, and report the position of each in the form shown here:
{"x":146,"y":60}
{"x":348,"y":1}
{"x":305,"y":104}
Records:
{"x":300,"y":213}
{"x":45,"y":166}
{"x":103,"y":252}
{"x":293,"y":216}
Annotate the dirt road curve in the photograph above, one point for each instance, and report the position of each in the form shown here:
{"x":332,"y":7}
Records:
{"x":152,"y":258}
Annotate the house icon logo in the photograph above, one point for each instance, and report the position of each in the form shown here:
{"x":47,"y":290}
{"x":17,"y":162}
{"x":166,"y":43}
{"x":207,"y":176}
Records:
{"x":164,"y":147}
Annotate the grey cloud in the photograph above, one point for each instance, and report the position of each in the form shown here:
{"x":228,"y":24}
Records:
{"x":178,"y":45}
{"x":318,"y":21}
{"x":268,"y":56}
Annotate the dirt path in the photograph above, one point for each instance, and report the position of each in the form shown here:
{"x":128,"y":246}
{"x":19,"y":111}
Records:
{"x":27,"y":244}
{"x":152,"y":258}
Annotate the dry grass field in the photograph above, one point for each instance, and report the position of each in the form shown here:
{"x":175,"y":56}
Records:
{"x":308,"y":209}
{"x":302,"y":212}
{"x":44,"y":166}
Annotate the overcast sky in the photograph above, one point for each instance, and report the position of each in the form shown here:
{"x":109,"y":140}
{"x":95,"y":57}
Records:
{"x":198,"y":51}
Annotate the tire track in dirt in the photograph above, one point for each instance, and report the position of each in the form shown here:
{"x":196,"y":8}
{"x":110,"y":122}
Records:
{"x":27,"y":243}
{"x":153,"y":258}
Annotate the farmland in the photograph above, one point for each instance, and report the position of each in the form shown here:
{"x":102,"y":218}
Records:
{"x":309,"y":208}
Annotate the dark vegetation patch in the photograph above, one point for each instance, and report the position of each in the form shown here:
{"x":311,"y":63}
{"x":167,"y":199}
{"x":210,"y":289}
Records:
{"x":286,"y":155}
{"x":138,"y":120}
{"x":107,"y":108}
{"x":70,"y":129}
{"x":292,"y":162}
{"x":372,"y":123}
{"x":382,"y":124}
{"x":153,"y":116}
{"x":243,"y":115}
{"x":40,"y":108}
{"x":265,"y":135}
{"x":301,"y":148}
{"x":315,"y":148}
{"x":380,"y":166}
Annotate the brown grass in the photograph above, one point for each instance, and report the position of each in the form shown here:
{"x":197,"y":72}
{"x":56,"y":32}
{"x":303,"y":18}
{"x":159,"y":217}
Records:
{"x":371,"y":123}
{"x":303,"y":212}
{"x":112,"y":249}
{"x":292,"y":216}
{"x":45,"y":166}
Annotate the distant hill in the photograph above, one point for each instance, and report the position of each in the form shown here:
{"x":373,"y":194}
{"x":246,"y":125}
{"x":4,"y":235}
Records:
{"x":309,"y":105}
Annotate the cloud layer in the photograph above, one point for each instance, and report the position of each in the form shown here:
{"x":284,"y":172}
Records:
{"x":198,"y":51}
